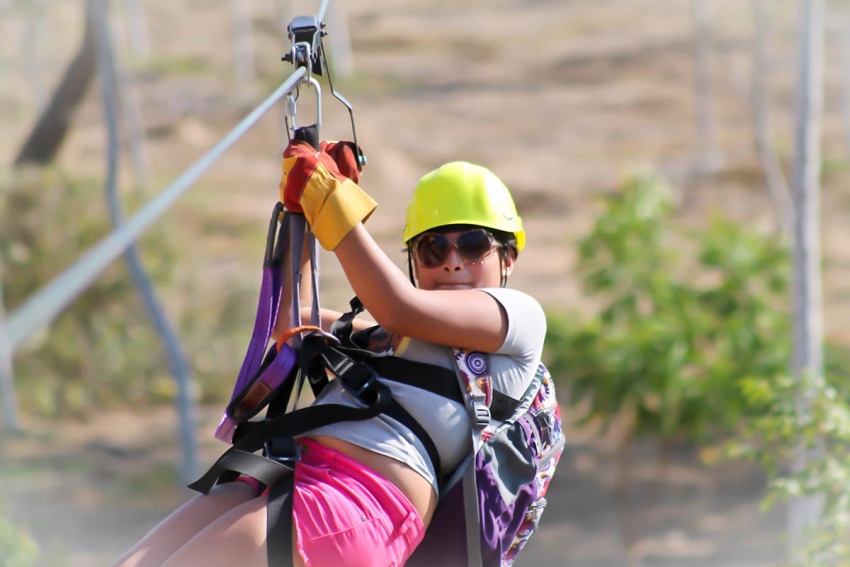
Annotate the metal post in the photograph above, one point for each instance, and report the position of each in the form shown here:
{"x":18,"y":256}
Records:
{"x":32,"y":38}
{"x":7,"y":383}
{"x":179,"y":366}
{"x":708,"y":157}
{"x":340,"y":41}
{"x":777,"y":187}
{"x":808,"y":301}
{"x":243,"y":43}
{"x":844,"y":25}
{"x":137,"y":26}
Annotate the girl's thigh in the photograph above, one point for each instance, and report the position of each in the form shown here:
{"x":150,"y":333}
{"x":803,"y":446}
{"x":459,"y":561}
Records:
{"x":237,"y":537}
{"x":185,"y":523}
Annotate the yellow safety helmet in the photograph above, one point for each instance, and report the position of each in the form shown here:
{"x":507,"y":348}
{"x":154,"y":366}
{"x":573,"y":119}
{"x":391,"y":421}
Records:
{"x":462,"y":193}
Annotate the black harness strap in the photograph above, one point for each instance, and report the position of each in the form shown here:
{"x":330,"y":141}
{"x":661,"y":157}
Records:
{"x":234,"y":462}
{"x":502,"y":406}
{"x":358,"y":370}
{"x":360,"y":378}
{"x":253,"y":435}
{"x":279,"y":548}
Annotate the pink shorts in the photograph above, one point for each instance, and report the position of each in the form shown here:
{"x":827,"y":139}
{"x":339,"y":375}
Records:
{"x":347,"y":515}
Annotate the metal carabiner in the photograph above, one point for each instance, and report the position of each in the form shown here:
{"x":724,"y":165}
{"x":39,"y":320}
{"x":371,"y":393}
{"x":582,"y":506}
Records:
{"x":292,"y":109}
{"x":307,"y":50}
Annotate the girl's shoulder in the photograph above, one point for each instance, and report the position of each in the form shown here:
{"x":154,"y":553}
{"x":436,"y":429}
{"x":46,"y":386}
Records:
{"x":517,"y":303}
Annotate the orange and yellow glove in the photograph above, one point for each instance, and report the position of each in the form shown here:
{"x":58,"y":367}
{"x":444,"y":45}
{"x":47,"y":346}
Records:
{"x":312,"y":184}
{"x":345,"y":157}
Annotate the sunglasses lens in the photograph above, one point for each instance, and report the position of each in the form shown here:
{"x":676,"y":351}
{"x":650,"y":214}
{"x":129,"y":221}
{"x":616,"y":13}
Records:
{"x":474,"y":245}
{"x":432,"y":250}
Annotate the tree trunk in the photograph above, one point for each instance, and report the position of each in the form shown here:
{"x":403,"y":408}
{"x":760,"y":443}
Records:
{"x":47,"y":136}
{"x":179,"y":365}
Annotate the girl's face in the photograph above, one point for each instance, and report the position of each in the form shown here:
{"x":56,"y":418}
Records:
{"x":462,"y":259}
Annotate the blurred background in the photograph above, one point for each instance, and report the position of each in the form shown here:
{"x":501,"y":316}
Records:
{"x":649,"y":144}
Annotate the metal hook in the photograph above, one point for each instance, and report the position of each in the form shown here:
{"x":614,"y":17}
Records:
{"x":291,"y":107}
{"x":308,"y":51}
{"x":361,"y":158}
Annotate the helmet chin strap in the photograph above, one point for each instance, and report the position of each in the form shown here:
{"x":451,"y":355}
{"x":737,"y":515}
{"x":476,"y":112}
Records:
{"x":503,"y":269}
{"x":410,"y":266}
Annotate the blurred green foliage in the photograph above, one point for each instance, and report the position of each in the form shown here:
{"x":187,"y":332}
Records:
{"x":692,"y":339}
{"x":683,"y":316}
{"x":19,"y":549}
{"x":102,"y":350}
{"x":777,"y":428}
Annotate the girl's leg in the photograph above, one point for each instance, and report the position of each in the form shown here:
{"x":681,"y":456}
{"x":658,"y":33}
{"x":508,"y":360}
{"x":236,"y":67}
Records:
{"x":184,"y":524}
{"x":236,"y":538}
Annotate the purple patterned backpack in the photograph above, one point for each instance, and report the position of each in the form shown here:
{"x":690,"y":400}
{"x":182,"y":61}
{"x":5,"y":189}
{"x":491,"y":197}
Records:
{"x":493,"y":503}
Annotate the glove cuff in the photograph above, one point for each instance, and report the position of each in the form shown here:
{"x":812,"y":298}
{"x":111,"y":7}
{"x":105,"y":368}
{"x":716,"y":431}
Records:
{"x":333,"y":207}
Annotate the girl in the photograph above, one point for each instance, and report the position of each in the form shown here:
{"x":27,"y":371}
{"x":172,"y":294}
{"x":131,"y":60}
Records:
{"x":366,"y":491}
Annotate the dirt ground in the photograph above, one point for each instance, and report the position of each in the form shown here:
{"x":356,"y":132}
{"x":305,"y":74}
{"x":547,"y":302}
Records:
{"x":86,"y":492}
{"x":561,"y":98}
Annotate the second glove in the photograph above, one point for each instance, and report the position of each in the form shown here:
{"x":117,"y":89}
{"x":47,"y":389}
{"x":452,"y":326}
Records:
{"x":312,"y":183}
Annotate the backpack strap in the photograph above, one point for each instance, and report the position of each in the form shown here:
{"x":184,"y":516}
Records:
{"x":490,"y":411}
{"x":471,"y":515}
{"x":477,"y":384}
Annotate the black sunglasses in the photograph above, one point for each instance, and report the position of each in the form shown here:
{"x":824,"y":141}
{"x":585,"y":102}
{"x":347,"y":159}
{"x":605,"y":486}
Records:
{"x":432,"y":248}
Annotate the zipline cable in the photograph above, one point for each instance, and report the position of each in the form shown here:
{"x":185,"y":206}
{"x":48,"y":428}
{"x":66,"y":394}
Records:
{"x":42,"y":307}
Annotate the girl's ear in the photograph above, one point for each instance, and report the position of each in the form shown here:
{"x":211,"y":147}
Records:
{"x":508,"y":265}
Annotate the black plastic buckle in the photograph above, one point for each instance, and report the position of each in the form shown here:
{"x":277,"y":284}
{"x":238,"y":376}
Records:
{"x":482,"y":417}
{"x":359,"y":379}
{"x":546,"y":424}
{"x":482,"y":413}
{"x":283,"y":450}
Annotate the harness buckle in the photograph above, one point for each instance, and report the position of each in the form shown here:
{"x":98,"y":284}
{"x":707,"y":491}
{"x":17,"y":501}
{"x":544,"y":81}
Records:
{"x":359,"y":379}
{"x":545,"y":424}
{"x":482,"y":412}
{"x":283,"y":450}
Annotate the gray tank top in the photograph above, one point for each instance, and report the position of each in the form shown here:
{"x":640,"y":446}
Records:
{"x":512,"y":368}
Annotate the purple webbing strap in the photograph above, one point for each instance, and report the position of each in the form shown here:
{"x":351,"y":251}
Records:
{"x":267,"y":308}
{"x":272,"y":377}
{"x":248,"y":384}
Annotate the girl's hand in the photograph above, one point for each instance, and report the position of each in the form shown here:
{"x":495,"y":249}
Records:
{"x":312,"y":184}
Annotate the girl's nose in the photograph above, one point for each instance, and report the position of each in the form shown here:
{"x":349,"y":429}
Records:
{"x":454,"y":261}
